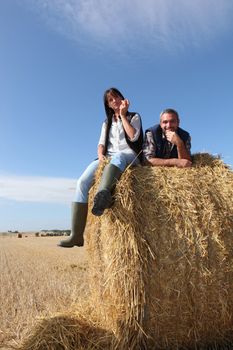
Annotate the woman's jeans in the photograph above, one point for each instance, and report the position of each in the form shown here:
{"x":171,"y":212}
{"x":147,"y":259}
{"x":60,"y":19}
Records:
{"x":86,"y":180}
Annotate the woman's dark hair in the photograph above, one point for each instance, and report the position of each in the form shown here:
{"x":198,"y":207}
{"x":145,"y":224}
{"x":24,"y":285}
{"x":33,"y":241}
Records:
{"x":115,"y":92}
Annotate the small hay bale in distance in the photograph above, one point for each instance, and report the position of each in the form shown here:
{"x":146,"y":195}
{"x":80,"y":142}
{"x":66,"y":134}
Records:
{"x":161,"y":260}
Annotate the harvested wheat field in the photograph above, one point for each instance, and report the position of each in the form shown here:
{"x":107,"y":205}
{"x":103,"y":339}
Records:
{"x":160,"y":266}
{"x":37,"y":280}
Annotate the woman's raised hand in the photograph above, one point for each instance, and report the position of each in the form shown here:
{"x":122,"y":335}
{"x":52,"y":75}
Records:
{"x":124,"y":107}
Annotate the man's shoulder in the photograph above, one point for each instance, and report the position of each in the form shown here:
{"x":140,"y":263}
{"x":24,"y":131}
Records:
{"x":153,"y":128}
{"x":183,"y":132}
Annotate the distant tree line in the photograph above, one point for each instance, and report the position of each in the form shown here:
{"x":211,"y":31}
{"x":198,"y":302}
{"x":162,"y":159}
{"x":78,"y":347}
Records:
{"x":51,"y":233}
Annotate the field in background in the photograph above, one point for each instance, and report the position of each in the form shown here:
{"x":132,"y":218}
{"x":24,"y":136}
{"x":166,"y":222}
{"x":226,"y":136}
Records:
{"x":37,"y":279}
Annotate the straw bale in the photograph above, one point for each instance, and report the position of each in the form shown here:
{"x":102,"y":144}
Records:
{"x":160,"y":266}
{"x":161,"y":260}
{"x":71,"y":331}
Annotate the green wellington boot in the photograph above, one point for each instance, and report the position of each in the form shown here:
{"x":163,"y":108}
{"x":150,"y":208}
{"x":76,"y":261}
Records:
{"x":103,"y":198}
{"x":78,"y":223}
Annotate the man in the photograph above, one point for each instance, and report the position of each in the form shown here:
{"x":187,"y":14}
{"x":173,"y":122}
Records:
{"x":166,"y":144}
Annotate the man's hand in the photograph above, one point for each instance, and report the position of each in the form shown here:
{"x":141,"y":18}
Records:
{"x":179,"y":163}
{"x":183,"y":154}
{"x":172,"y":137}
{"x":183,"y":163}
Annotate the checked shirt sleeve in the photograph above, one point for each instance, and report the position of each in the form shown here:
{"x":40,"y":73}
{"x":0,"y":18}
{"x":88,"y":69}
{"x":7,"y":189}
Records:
{"x":149,"y":147}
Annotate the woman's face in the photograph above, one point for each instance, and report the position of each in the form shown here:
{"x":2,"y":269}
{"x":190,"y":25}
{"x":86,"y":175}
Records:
{"x":114,"y":101}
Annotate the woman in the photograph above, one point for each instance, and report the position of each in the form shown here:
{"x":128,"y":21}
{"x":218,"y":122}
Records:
{"x":121,"y":142}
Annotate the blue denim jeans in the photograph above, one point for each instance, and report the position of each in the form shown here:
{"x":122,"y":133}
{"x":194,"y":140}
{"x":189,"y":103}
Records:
{"x":86,"y":180}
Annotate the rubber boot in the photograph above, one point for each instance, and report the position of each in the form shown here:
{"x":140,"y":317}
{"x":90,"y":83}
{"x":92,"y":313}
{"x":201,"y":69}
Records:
{"x":103,"y":198}
{"x":78,"y":223}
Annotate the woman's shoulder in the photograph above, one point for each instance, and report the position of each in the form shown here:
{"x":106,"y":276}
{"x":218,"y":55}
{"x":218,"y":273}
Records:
{"x":133,"y":114}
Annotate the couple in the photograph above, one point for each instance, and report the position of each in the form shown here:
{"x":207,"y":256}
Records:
{"x":121,"y":141}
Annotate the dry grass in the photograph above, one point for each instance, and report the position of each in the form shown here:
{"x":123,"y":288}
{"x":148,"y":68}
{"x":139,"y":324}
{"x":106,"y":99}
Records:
{"x":160,"y":266}
{"x":162,"y":259}
{"x":78,"y":330}
{"x":37,"y":279}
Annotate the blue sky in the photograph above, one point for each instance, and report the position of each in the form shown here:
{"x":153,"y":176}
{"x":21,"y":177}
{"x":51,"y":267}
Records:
{"x":57,"y":59}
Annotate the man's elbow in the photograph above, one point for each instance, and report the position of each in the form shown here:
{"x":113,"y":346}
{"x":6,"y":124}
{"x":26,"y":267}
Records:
{"x":187,"y":163}
{"x":189,"y":157}
{"x":147,"y":162}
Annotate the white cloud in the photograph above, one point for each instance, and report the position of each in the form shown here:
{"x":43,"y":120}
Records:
{"x":127,"y":24}
{"x":37,"y":189}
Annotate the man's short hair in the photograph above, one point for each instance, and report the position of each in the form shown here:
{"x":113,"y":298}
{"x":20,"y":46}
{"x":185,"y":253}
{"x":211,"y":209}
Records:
{"x":170,"y":111}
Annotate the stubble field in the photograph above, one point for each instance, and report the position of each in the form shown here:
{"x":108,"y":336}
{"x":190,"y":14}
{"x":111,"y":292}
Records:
{"x":37,"y":279}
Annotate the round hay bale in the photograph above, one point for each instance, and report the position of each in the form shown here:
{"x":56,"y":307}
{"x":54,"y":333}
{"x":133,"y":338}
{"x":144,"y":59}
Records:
{"x":161,"y":260}
{"x":77,"y":331}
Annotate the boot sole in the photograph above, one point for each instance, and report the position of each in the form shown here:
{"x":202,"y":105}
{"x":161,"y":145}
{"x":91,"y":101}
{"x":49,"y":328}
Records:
{"x":67,"y":245}
{"x":103,"y":200}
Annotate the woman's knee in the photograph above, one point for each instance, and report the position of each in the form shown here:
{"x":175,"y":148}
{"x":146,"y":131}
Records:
{"x":81,"y":185}
{"x":86,"y":180}
{"x":119,"y":160}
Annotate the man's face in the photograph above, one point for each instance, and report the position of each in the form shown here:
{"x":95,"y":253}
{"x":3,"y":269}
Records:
{"x":169,"y":122}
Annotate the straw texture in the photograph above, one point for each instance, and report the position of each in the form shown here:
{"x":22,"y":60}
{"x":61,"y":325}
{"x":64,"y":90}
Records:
{"x":160,"y":264}
{"x":161,"y":260}
{"x":79,"y":330}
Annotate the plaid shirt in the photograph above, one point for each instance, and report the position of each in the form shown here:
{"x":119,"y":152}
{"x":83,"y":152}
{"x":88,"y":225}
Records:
{"x":149,"y":147}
